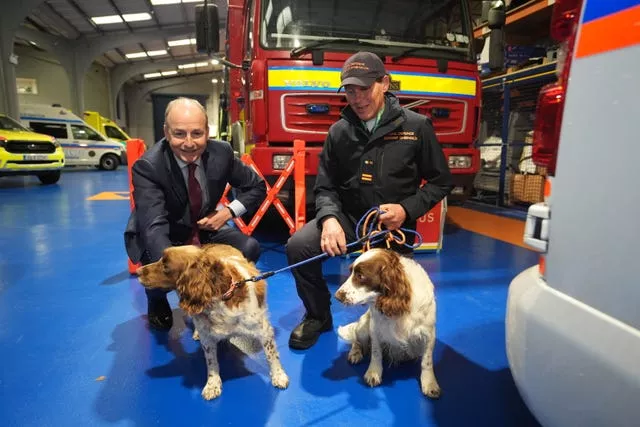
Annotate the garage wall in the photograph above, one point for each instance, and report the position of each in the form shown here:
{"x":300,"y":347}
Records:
{"x":140,"y":107}
{"x":53,"y":85}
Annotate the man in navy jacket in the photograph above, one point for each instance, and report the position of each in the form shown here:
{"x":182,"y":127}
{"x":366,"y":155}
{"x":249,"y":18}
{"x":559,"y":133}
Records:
{"x":177,"y":185}
{"x":376,"y":155}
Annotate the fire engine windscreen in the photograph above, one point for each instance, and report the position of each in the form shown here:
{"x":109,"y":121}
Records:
{"x":419,"y":28}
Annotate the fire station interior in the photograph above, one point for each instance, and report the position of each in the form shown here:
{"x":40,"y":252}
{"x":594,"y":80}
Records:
{"x":77,"y":349}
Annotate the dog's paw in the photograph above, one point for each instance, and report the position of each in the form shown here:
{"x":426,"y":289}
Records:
{"x":279,"y":379}
{"x":196,"y":335}
{"x":373,"y":377}
{"x":212,"y":389}
{"x":355,"y":355}
{"x":430,"y":387}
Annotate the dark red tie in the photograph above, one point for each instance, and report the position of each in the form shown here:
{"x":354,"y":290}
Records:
{"x":195,"y":202}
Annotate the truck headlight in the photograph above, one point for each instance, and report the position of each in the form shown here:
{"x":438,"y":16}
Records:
{"x":279,"y":161}
{"x":459,"y":162}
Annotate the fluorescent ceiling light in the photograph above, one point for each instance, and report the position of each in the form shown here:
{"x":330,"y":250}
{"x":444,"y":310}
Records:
{"x":136,"y":55}
{"x":183,"y":42}
{"x":169,"y":73}
{"x":152,"y":75}
{"x":111,"y":19}
{"x":193,"y":65}
{"x":156,"y":52}
{"x":132,"y":17}
{"x":161,"y":2}
{"x":214,"y":62}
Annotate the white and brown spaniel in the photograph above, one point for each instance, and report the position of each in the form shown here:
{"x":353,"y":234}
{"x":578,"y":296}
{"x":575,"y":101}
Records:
{"x":400,"y":321}
{"x":200,"y":276}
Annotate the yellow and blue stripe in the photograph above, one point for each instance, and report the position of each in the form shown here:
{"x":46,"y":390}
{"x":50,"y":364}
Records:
{"x":411,"y":83}
{"x":608,"y":25}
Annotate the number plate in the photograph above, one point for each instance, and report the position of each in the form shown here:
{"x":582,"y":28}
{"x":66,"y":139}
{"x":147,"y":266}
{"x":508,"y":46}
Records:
{"x":33,"y":157}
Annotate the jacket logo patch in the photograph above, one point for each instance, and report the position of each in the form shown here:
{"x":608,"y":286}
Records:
{"x":395,"y":136}
{"x":366,"y":176}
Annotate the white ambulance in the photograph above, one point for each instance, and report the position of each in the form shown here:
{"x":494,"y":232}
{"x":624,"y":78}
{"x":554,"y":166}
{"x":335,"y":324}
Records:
{"x":573,"y":320}
{"x":82,"y":144}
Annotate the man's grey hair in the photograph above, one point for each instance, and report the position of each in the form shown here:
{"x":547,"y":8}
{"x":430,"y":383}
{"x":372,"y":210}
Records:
{"x":185,"y":101}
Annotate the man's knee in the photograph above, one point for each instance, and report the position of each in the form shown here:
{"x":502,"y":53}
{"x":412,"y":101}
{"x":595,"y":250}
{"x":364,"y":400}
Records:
{"x":298,"y":245}
{"x":251,"y":249}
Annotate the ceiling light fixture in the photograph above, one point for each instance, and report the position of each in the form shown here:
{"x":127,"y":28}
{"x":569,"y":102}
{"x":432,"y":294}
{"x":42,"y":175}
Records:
{"x":133,"y":17}
{"x":156,"y":52}
{"x":136,"y":55}
{"x":110,"y":19}
{"x":193,"y":65}
{"x":183,"y":42}
{"x":161,"y":2}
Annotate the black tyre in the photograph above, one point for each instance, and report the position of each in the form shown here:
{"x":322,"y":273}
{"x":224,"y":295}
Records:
{"x":109,"y":162}
{"x":48,"y":178}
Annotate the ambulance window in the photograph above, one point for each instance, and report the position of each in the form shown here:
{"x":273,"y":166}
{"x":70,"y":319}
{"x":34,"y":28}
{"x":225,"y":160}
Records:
{"x":113,"y":132}
{"x":55,"y":130}
{"x":83,"y":132}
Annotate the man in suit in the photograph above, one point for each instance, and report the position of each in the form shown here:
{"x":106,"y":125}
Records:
{"x":177,"y":184}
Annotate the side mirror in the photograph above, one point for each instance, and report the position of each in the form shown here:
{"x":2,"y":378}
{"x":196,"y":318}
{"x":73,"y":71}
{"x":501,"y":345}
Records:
{"x":496,"y":18}
{"x":207,"y":28}
{"x":496,"y":21}
{"x":496,"y":49}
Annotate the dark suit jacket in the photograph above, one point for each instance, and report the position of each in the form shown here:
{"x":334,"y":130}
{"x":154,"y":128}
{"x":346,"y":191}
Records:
{"x":161,"y":217}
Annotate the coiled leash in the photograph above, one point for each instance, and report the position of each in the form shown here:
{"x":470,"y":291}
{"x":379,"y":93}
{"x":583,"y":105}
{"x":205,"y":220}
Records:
{"x":371,"y":235}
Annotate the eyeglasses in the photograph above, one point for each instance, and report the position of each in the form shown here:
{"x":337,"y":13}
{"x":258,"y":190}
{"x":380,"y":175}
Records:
{"x":182,"y":134}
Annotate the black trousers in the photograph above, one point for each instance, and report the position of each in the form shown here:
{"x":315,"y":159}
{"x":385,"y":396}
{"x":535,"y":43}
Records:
{"x":228,"y":235}
{"x":310,"y":284}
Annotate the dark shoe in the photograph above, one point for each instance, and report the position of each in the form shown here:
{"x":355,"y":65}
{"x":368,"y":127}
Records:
{"x":159,"y":314}
{"x":307,"y":332}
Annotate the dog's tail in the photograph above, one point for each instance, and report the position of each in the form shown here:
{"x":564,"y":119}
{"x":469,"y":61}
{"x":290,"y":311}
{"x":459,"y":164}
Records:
{"x":348,"y":332}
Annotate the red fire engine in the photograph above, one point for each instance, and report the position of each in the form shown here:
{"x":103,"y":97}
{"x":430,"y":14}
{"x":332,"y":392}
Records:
{"x":289,"y":54}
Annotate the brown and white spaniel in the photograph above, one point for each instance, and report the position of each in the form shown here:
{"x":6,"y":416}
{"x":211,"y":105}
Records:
{"x":200,"y":276}
{"x":400,"y":321}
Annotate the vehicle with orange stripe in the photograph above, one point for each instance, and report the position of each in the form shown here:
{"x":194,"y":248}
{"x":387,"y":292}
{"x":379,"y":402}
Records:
{"x":573,"y":324}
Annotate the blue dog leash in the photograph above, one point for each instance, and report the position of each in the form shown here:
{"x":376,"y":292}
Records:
{"x":369,"y":236}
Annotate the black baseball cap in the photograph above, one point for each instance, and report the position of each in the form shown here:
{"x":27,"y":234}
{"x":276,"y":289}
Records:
{"x":362,"y":69}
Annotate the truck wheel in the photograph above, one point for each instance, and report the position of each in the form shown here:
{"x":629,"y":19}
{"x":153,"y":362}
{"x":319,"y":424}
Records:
{"x":109,"y":162}
{"x":48,"y":178}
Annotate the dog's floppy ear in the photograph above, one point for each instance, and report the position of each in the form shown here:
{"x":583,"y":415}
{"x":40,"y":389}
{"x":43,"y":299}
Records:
{"x":396,"y":290}
{"x":195,"y":286}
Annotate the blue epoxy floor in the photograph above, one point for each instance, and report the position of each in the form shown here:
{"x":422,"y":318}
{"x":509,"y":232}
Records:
{"x":76,"y":351}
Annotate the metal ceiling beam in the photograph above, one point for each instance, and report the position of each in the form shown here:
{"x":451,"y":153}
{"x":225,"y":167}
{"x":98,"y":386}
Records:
{"x":62,"y":18}
{"x":155,"y":19}
{"x":124,"y":57}
{"x":85,"y":16}
{"x":38,"y":26}
{"x":118,"y":12}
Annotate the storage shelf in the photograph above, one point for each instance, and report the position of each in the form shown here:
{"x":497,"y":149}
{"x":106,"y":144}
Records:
{"x":528,"y":73}
{"x":533,"y":11}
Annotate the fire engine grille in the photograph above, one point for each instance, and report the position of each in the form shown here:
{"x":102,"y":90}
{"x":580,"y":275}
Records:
{"x":317,"y":112}
{"x":311,"y":112}
{"x":26,"y":147}
{"x":447,"y":115}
